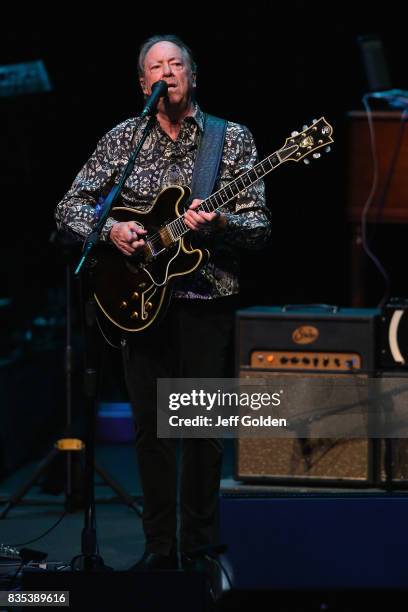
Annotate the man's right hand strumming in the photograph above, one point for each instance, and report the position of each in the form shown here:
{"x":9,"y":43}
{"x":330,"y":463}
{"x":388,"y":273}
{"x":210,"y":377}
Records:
{"x":127,"y":237}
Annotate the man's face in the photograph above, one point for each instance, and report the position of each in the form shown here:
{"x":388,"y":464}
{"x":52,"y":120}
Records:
{"x":166,"y":61}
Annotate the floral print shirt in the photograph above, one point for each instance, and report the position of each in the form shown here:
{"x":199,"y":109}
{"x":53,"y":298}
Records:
{"x":163,"y":162}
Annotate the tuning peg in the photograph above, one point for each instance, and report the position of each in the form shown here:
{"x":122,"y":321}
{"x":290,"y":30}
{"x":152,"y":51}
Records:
{"x":316,"y":155}
{"x":314,"y":121}
{"x":328,"y":149}
{"x":295,"y":134}
{"x":306,"y":161}
{"x":304,"y":127}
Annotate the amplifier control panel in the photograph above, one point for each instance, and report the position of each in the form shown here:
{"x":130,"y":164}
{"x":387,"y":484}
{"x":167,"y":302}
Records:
{"x":296,"y":360}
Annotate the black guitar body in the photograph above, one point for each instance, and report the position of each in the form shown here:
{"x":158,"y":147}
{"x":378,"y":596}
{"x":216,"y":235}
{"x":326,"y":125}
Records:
{"x":132,"y":291}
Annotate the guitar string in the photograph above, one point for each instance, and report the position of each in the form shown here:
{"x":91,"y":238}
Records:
{"x":156,"y":238}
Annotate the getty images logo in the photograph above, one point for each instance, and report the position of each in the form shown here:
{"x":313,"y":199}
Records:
{"x":221,"y":399}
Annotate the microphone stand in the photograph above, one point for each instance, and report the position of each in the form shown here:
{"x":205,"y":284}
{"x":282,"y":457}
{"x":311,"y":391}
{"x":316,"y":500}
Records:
{"x":112,"y":196}
{"x":89,"y":559}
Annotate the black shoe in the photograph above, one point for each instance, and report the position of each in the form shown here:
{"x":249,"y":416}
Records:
{"x":204,"y":564}
{"x":155,"y":561}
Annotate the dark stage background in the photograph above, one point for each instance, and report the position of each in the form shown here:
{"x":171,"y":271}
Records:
{"x":272,"y":67}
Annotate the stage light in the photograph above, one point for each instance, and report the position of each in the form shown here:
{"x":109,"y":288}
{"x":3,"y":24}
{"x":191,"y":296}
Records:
{"x":24,"y":78}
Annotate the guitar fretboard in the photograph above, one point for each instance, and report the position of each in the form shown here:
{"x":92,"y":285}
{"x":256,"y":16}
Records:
{"x":177,"y":228}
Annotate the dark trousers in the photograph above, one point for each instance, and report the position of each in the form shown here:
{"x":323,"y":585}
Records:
{"x":194,"y":340}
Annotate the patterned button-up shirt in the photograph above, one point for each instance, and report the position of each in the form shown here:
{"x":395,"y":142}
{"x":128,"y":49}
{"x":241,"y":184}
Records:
{"x":163,"y":162}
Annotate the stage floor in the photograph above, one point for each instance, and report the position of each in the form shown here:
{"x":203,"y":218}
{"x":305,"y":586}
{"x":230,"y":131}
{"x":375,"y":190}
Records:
{"x":279,"y":538}
{"x":120,"y":533}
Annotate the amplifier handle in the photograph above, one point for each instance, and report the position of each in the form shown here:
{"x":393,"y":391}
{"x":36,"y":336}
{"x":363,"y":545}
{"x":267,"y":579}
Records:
{"x":325,"y":307}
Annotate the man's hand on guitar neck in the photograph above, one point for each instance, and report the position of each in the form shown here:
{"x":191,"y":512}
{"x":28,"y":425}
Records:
{"x":203,"y":220}
{"x":127,"y":236}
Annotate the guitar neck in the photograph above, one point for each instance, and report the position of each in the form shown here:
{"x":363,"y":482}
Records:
{"x":225,"y":195}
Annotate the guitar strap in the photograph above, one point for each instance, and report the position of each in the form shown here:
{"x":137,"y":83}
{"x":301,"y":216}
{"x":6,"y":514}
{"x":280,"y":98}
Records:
{"x":208,"y":158}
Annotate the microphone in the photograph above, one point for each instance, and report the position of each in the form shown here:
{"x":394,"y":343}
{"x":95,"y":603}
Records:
{"x":159,"y":90}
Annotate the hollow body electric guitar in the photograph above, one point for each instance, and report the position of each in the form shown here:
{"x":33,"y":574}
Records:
{"x":133,"y":291}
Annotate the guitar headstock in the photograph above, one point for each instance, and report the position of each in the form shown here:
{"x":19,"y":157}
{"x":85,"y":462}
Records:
{"x":302,"y":145}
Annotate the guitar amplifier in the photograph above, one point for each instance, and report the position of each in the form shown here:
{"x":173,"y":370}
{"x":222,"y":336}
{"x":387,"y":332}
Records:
{"x":394,"y":334}
{"x":307,"y":341}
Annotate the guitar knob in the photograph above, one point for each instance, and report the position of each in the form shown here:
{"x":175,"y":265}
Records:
{"x":134,"y":315}
{"x":148,"y":306}
{"x":316,"y":155}
{"x":314,"y":121}
{"x":328,"y":149}
{"x":123,"y":305}
{"x":135,"y":295}
{"x":306,"y":161}
{"x":295,"y":133}
{"x":304,"y":127}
